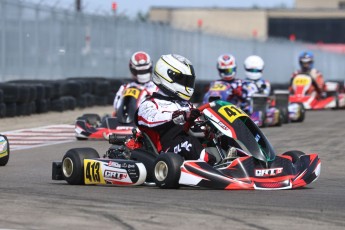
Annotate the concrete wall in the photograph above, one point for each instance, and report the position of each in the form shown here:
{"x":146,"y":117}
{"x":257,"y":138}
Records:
{"x":239,"y":23}
{"x":315,"y":4}
{"x":226,"y":22}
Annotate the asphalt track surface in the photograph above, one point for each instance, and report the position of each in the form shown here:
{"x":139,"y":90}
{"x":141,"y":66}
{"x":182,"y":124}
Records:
{"x":31,"y":200}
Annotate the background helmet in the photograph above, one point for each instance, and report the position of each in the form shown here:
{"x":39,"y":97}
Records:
{"x":306,"y":60}
{"x":140,"y":66}
{"x":175,"y":76}
{"x":253,"y":66}
{"x":226,"y":65}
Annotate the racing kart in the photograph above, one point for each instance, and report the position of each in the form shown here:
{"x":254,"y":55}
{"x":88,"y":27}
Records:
{"x":4,"y":150}
{"x":257,"y":105}
{"x":291,"y":112}
{"x":92,"y":126}
{"x":245,"y":159}
{"x":304,"y":92}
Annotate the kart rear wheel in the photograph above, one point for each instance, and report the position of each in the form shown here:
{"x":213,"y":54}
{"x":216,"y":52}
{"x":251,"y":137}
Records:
{"x":4,"y":160}
{"x":294,"y":154}
{"x":285,"y":114}
{"x":73,"y":164}
{"x":167,"y":170}
{"x":148,"y":159}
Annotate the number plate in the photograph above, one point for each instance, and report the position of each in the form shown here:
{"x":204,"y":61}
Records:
{"x":231,"y":113}
{"x":218,"y":87}
{"x":131,"y":92}
{"x":93,"y":172}
{"x":301,"y":81}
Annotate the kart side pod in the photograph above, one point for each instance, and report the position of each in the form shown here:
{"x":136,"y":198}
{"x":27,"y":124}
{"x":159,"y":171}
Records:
{"x":83,"y":166}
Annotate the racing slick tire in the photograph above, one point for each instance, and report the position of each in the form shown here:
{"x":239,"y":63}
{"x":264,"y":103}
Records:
{"x":294,"y":154}
{"x":302,"y":113}
{"x":73,"y":164}
{"x":148,"y":159}
{"x":167,"y":170}
{"x":6,"y":147}
{"x":285,"y":114}
{"x":280,"y":119}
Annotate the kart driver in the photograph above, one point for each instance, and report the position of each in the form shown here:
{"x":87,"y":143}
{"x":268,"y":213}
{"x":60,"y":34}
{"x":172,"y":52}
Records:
{"x":167,"y":115}
{"x":306,"y":61}
{"x":226,"y":65}
{"x":140,"y":66}
{"x":254,"y":83}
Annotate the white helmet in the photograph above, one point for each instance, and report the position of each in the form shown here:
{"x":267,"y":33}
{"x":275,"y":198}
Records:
{"x":254,"y":66}
{"x":140,"y":66}
{"x":175,"y":76}
{"x":226,"y":65}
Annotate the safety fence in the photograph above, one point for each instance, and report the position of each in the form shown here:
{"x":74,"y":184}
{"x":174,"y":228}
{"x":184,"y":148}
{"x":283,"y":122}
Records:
{"x":54,"y":59}
{"x":49,"y":43}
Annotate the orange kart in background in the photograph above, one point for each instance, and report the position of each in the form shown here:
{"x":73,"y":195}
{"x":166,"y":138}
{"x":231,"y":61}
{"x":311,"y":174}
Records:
{"x":304,"y":92}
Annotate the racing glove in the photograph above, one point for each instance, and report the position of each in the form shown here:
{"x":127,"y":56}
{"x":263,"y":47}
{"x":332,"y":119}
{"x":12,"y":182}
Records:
{"x":194,"y":114}
{"x":237,"y":91}
{"x":179,"y":117}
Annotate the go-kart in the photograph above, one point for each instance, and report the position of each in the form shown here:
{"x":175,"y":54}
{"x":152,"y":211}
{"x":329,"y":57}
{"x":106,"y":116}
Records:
{"x":245,"y":159}
{"x":256,"y":105}
{"x":92,"y":126}
{"x":291,"y":112}
{"x":4,"y":150}
{"x":304,"y":92}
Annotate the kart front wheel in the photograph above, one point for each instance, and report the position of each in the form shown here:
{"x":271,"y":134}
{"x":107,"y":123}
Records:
{"x":4,"y":150}
{"x":73,"y":164}
{"x":167,"y":170}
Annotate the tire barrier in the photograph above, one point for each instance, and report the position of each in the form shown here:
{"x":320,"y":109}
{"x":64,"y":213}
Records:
{"x":26,"y":97}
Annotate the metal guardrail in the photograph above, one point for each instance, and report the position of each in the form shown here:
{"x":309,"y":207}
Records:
{"x":40,"y":42}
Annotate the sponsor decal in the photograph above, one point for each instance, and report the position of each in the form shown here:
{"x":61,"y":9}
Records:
{"x":268,"y":172}
{"x":114,"y":164}
{"x":115,"y":175}
{"x":257,"y":137}
{"x":133,"y":174}
{"x":221,"y":124}
{"x":124,"y":127}
{"x":185,"y":145}
{"x":130,"y":166}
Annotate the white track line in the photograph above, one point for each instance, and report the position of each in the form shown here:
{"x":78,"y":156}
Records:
{"x":41,"y":136}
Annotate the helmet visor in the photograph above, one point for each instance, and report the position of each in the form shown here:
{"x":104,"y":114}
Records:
{"x":182,"y":79}
{"x":227,"y":72}
{"x":140,"y":72}
{"x":254,"y":70}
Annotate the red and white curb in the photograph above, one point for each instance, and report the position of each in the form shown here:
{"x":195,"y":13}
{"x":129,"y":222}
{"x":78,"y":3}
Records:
{"x":41,"y":136}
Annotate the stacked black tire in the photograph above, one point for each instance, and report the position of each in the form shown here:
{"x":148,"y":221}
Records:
{"x":26,"y":97}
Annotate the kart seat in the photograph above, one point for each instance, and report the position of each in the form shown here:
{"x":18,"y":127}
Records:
{"x":148,"y":144}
